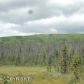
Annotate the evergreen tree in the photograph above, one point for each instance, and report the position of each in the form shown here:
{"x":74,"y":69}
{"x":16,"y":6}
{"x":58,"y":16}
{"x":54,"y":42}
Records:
{"x":76,"y":66}
{"x":64,"y":60}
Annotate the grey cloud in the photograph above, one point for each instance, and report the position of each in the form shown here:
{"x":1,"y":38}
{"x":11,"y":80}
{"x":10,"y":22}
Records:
{"x":37,"y":6}
{"x":74,"y":28}
{"x":61,"y":27}
{"x":41,"y":9}
{"x":16,"y":11}
{"x":12,"y":4}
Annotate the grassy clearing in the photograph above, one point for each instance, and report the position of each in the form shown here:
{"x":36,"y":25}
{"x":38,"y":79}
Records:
{"x":39,"y":75}
{"x":13,"y":70}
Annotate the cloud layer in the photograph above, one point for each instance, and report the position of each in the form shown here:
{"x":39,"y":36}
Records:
{"x":48,"y":16}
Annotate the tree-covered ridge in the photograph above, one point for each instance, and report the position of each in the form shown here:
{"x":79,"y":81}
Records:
{"x":42,"y":38}
{"x":39,"y":49}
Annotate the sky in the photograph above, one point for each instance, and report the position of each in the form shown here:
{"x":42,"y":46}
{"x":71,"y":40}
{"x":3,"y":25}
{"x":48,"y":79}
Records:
{"x":29,"y":17}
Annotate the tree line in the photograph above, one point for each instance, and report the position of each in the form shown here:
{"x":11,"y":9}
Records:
{"x":63,"y":52}
{"x":36,"y":51}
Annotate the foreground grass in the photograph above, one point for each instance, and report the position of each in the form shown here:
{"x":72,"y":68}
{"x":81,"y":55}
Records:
{"x":39,"y":75}
{"x":13,"y":70}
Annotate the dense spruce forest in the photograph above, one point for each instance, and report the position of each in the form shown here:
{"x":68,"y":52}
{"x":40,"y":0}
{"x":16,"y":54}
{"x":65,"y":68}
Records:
{"x":41,"y":50}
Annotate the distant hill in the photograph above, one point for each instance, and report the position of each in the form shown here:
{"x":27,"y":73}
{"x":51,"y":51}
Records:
{"x":36,"y":49}
{"x":42,"y":38}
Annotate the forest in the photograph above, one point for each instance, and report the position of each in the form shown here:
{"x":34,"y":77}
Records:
{"x":63,"y":53}
{"x":39,"y":49}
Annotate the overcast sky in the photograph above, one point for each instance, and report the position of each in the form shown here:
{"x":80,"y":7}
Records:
{"x":48,"y":16}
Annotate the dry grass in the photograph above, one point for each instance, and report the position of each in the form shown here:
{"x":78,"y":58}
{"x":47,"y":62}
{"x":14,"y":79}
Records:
{"x":39,"y":75}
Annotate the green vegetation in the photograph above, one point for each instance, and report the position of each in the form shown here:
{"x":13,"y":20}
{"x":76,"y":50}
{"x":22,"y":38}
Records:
{"x":48,"y":59}
{"x":39,"y":75}
{"x":38,"y":49}
{"x":76,"y":65}
{"x":64,"y":60}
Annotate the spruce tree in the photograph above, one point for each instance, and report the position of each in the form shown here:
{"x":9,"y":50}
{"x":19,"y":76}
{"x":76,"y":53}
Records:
{"x":76,"y":66}
{"x":64,"y":60}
